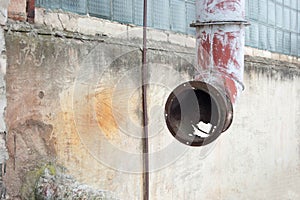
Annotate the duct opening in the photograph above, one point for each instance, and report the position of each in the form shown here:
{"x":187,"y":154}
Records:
{"x":196,"y":113}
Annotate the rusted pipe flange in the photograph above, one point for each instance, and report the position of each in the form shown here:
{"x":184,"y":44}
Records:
{"x":193,"y":103}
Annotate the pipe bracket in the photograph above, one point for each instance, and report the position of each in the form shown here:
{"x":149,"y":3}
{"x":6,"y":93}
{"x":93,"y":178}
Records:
{"x":241,"y":22}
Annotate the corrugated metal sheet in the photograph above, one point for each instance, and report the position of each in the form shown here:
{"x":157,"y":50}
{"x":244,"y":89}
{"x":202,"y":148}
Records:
{"x":298,"y":45}
{"x":253,"y":9}
{"x":52,"y":4}
{"x":294,"y":44}
{"x":271,"y":13}
{"x":190,"y":16}
{"x":271,"y":39}
{"x":78,"y":6}
{"x":247,"y":8}
{"x":178,"y":15}
{"x":298,"y":18}
{"x":275,"y":23}
{"x":293,"y":22}
{"x":287,"y":43}
{"x":247,"y":36}
{"x":254,"y":35}
{"x":294,"y":4}
{"x":123,"y":11}
{"x":138,"y":10}
{"x":279,"y":41}
{"x":161,"y":14}
{"x":263,"y":37}
{"x":286,"y":18}
{"x":279,"y":15}
{"x":100,"y":8}
{"x":287,"y":2}
{"x":150,"y":13}
{"x":263,"y":10}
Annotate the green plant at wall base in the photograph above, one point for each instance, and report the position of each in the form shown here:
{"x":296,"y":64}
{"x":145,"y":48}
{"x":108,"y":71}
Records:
{"x":31,"y":179}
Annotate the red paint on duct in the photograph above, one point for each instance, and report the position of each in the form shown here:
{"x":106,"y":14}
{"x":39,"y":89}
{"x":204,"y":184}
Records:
{"x":205,"y":46}
{"x":220,"y":10}
{"x":227,"y":5}
{"x":209,"y":99}
{"x":220,"y":46}
{"x":231,"y":88}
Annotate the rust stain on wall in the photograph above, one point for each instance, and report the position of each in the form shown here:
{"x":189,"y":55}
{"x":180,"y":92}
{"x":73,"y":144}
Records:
{"x":105,"y":113}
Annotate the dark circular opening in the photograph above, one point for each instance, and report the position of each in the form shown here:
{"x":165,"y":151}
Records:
{"x":195,"y":113}
{"x":41,"y":94}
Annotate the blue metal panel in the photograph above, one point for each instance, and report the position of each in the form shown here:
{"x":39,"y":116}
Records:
{"x":100,"y":8}
{"x":293,"y":25}
{"x":247,"y":8}
{"x":298,"y":45}
{"x":160,"y":14}
{"x":190,"y":16}
{"x":271,"y":12}
{"x":287,"y":43}
{"x":254,"y":34}
{"x":263,"y":37}
{"x":298,"y":18}
{"x":122,"y":11}
{"x":279,"y":41}
{"x":138,"y":12}
{"x":286,"y":18}
{"x":178,"y":15}
{"x":294,"y":4}
{"x":279,"y":15}
{"x":150,"y":13}
{"x":52,"y":4}
{"x":253,"y":11}
{"x":287,"y":2}
{"x":263,"y":10}
{"x":275,"y":23}
{"x":271,"y":39}
{"x":77,"y":6}
{"x":247,"y":36}
{"x":294,"y":45}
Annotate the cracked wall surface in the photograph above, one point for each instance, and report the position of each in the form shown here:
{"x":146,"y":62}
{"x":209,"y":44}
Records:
{"x":73,"y":89}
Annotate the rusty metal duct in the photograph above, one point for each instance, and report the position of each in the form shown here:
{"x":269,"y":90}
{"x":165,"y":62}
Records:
{"x":198,"y":111}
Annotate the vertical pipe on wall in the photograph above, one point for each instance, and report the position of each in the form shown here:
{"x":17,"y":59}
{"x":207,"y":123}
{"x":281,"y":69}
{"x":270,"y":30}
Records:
{"x":198,"y":111}
{"x":220,"y":44}
{"x":220,"y":38}
{"x":145,"y":109}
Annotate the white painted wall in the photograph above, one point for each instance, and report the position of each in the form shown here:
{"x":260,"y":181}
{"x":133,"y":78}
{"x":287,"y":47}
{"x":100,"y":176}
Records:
{"x":257,"y":158}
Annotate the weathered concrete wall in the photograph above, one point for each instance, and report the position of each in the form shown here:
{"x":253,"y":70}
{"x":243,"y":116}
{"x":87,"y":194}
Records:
{"x":3,"y":151}
{"x":64,"y":113}
{"x":3,"y":19}
{"x":74,"y":100}
{"x":257,"y":158}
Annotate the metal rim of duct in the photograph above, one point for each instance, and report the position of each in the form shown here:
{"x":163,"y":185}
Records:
{"x":223,"y":107}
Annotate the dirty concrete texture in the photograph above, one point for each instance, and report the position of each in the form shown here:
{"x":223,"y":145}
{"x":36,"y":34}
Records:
{"x":54,"y":183}
{"x":74,"y":100}
{"x":48,"y":68}
{"x":263,"y":143}
{"x":75,"y":97}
